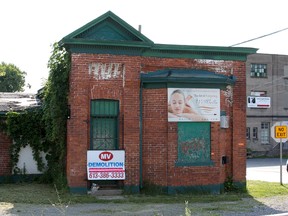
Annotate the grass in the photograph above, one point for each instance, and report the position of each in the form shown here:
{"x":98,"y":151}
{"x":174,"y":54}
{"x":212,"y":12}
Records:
{"x":45,"y":194}
{"x":258,"y":189}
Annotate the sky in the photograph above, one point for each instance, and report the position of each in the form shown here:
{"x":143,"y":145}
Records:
{"x":30,"y":27}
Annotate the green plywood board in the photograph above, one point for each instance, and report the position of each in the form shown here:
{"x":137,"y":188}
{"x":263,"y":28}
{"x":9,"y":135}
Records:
{"x":193,"y":142}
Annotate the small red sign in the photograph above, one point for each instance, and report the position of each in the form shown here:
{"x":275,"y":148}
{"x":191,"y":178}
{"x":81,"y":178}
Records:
{"x":106,"y":156}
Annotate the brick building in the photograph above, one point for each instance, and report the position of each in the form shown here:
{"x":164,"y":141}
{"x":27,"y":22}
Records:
{"x":5,"y":168}
{"x":121,"y":86}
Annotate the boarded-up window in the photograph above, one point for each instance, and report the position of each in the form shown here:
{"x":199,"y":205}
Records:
{"x":194,"y":143}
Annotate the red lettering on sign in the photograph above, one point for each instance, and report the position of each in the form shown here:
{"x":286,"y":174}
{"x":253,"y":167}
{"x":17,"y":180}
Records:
{"x":106,"y":156}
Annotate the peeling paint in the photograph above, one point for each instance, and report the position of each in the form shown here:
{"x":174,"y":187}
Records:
{"x":103,"y":71}
{"x":228,"y":93}
{"x":221,"y":66}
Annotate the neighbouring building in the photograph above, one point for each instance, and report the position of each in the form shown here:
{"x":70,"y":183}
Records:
{"x":17,"y":102}
{"x":267,"y":104}
{"x":171,"y":116}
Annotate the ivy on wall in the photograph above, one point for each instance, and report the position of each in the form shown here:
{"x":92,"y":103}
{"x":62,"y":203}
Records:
{"x":55,"y":112}
{"x":44,"y":128}
{"x":27,"y":128}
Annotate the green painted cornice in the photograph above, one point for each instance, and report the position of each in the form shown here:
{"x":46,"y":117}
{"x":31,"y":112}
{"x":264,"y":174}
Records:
{"x":184,"y":78}
{"x":109,"y":34}
{"x":199,"y":52}
{"x":106,"y":29}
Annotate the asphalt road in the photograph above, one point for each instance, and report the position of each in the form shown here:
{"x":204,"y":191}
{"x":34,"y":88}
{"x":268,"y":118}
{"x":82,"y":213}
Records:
{"x":267,"y":169}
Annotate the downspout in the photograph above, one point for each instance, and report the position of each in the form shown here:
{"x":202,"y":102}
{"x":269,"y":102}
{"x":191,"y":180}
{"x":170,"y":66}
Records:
{"x":140,"y":138}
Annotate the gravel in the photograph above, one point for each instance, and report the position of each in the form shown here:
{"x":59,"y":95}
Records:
{"x":247,"y":207}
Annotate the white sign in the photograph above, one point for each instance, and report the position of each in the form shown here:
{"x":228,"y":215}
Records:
{"x":193,"y":104}
{"x":276,"y":128}
{"x":258,"y":102}
{"x":106,"y":165}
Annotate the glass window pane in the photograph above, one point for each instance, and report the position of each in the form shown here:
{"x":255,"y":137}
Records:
{"x":265,"y":132}
{"x":258,"y":70}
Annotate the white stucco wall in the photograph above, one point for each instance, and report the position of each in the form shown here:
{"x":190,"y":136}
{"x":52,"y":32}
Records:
{"x":26,"y":160}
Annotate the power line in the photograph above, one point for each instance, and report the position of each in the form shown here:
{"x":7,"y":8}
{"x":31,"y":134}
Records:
{"x":279,"y":82}
{"x":260,"y":37}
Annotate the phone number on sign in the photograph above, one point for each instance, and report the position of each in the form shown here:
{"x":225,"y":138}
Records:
{"x":106,"y":175}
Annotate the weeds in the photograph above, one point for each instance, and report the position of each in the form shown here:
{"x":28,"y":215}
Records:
{"x":187,"y":210}
{"x":60,"y":206}
{"x":229,"y":185}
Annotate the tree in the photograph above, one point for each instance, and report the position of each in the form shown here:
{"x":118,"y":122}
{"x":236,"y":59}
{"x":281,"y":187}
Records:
{"x":12,"y":79}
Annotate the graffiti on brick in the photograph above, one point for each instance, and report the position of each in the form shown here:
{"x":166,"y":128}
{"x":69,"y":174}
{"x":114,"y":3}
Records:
{"x":193,"y":150}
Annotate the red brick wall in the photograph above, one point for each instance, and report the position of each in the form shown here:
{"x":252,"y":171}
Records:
{"x":239,"y":124}
{"x":159,"y":136}
{"x":83,"y":88}
{"x":5,"y":166}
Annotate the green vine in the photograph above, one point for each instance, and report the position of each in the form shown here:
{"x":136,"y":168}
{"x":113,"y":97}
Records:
{"x":55,"y":110}
{"x":26,"y":128}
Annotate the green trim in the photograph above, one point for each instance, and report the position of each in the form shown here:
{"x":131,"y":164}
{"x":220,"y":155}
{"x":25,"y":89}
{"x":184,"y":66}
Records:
{"x":146,"y":50}
{"x":110,"y":34}
{"x":199,"y":189}
{"x":108,"y":18}
{"x":199,"y":52}
{"x":182,"y":85}
{"x":141,"y":136}
{"x":19,"y":178}
{"x":131,"y":189}
{"x":202,"y":189}
{"x":78,"y":190}
{"x":207,"y":163}
{"x":106,"y":44}
{"x":240,"y":185}
{"x":185,"y":78}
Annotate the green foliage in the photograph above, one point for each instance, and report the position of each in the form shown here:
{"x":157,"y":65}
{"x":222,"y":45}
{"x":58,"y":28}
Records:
{"x":231,"y":186}
{"x":12,"y":79}
{"x":26,"y":128}
{"x":55,"y":108}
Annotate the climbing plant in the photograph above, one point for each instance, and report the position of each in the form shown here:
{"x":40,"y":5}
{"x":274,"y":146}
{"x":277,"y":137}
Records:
{"x":55,"y":110}
{"x":26,"y":128}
